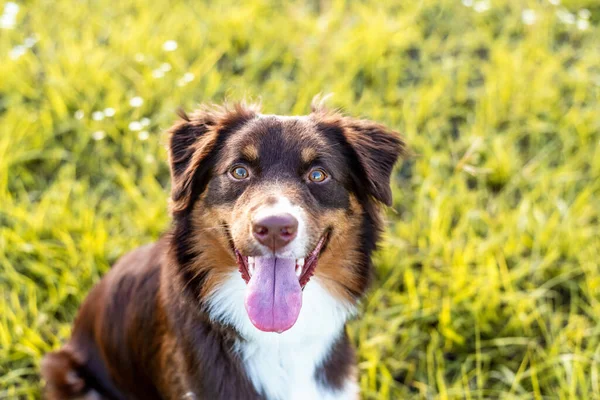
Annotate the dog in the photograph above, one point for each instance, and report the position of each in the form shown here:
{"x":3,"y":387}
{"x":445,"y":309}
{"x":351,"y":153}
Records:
{"x":275,"y":219}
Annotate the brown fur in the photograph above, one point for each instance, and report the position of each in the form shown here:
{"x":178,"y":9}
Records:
{"x":144,"y":332}
{"x":250,"y":152}
{"x":341,"y":275}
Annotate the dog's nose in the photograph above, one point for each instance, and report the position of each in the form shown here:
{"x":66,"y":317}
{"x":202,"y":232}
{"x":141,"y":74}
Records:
{"x":275,"y":231}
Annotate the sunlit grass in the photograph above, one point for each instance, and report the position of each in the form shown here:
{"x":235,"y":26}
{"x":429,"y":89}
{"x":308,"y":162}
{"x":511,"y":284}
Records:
{"x":488,"y":283}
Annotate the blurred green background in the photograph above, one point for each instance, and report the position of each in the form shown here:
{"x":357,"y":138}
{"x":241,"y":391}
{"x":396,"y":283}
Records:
{"x":488,"y":283}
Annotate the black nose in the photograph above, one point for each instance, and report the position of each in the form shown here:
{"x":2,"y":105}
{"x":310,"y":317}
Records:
{"x":275,"y":231}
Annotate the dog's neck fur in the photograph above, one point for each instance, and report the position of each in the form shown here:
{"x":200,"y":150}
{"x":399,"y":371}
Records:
{"x":290,"y":365}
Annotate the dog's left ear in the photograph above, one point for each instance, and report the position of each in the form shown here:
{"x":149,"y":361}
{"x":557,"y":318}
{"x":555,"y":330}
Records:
{"x":377,"y":149}
{"x":373,"y":146}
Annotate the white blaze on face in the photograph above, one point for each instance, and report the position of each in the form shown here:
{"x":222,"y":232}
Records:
{"x":298,"y":247}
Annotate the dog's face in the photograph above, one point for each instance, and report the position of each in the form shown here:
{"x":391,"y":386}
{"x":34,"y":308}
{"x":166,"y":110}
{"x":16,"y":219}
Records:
{"x":281,"y":199}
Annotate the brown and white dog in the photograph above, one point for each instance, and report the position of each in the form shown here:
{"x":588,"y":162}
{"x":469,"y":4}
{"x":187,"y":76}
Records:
{"x":275,"y":219}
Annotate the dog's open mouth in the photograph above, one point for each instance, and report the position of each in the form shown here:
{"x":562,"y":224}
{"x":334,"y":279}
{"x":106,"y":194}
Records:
{"x":274,"y":287}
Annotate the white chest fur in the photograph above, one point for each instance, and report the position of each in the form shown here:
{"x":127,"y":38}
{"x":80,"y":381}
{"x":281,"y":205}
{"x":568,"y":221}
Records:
{"x":282,"y":366}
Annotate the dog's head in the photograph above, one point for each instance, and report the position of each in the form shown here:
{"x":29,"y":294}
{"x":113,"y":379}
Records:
{"x":282,"y":200}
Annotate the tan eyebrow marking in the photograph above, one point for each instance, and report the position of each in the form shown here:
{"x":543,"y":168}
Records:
{"x":250,"y":152}
{"x":308,"y":154}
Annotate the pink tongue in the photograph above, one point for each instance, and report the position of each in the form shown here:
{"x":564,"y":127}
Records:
{"x":273,"y":295}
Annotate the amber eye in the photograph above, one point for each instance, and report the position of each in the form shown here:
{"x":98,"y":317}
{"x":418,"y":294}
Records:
{"x":239,"y":172}
{"x":317,"y":175}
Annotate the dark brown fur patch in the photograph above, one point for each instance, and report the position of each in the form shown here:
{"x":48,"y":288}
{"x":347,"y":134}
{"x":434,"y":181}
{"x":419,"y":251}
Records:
{"x":339,"y":365}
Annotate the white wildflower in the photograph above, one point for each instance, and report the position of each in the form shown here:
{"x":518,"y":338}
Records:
{"x":97,"y":115}
{"x":170,"y":45}
{"x":528,"y":17}
{"x":16,"y":52}
{"x":584,"y":13}
{"x":135,"y":126}
{"x":136,"y":101}
{"x":185,"y":79}
{"x":11,"y":8}
{"x":565,"y":17}
{"x":27,"y":247}
{"x":583,"y":24}
{"x":482,"y":6}
{"x":98,"y":135}
{"x":8,"y":20}
{"x":30,"y":41}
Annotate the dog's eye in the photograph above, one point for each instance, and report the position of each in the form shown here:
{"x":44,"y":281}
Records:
{"x":317,"y":175}
{"x":239,"y":173}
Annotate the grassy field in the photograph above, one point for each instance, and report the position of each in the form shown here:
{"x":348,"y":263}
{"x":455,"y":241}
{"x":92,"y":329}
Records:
{"x":488,"y":283}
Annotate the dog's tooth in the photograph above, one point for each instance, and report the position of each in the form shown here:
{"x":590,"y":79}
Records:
{"x":299,"y":266}
{"x":251,"y":262}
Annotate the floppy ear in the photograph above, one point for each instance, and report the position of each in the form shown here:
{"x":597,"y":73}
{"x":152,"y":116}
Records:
{"x":194,"y":143}
{"x":377,"y":149}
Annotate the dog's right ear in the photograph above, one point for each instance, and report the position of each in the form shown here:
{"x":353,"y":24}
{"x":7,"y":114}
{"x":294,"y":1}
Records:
{"x":192,"y":137}
{"x":194,"y":143}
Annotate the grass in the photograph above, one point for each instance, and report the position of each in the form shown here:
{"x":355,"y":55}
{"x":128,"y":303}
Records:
{"x":488,"y":283}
